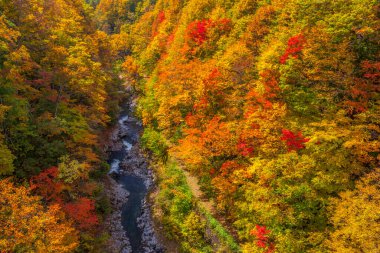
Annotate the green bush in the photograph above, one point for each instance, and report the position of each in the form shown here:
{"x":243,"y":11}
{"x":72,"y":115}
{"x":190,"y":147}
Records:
{"x":101,"y":171}
{"x":91,"y":243}
{"x":180,"y":219}
{"x":103,"y":205}
{"x":152,"y":140}
{"x":224,"y":235}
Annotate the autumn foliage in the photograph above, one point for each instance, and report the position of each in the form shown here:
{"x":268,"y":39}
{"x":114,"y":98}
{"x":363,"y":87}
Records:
{"x":47,"y":185}
{"x":244,"y":148}
{"x":57,"y":94}
{"x":273,"y":105}
{"x":293,"y":141}
{"x":262,"y":236}
{"x":83,"y":212}
{"x":295,"y":45}
{"x":198,"y":31}
{"x":27,"y":224}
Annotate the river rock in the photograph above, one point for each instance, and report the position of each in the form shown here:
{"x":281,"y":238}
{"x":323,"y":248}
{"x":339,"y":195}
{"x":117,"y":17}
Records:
{"x":133,"y":163}
{"x":150,"y":242}
{"x":118,"y":241}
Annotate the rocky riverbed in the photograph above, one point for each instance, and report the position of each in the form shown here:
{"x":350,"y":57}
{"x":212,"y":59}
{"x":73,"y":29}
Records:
{"x":130,"y":179}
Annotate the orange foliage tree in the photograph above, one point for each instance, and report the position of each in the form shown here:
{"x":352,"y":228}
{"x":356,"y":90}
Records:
{"x":29,"y":226}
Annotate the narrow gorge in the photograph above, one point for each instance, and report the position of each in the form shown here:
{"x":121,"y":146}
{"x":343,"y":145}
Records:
{"x":129,"y":181}
{"x":189,"y":126}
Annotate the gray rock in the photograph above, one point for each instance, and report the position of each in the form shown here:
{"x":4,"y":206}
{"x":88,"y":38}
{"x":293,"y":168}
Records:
{"x":133,"y":163}
{"x":118,"y":241}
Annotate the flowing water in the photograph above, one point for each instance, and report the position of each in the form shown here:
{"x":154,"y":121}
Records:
{"x":132,"y":209}
{"x":129,"y":168}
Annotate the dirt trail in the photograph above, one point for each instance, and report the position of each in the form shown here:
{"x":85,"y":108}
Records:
{"x":192,"y":181}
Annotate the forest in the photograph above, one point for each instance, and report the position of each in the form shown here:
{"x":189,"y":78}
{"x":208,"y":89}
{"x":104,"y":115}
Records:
{"x":273,"y":106}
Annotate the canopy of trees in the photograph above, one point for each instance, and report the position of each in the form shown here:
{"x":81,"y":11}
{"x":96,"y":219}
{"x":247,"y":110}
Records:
{"x":58,"y":91}
{"x":275,"y":106}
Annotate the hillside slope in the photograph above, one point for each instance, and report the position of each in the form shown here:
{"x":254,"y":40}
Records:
{"x":274,"y":105}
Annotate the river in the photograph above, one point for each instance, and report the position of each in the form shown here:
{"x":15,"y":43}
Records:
{"x":130,"y":179}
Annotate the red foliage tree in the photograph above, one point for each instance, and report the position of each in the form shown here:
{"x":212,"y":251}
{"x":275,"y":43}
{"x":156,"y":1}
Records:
{"x":295,"y":45}
{"x":161,"y":17}
{"x":293,"y":141}
{"x":262,"y":235}
{"x":244,"y":149}
{"x":198,"y":30}
{"x":46,"y":185}
{"x":83,"y":213}
{"x":228,"y":167}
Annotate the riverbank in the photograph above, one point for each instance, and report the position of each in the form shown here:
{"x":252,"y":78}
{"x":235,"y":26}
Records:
{"x":129,"y":225}
{"x":157,"y":207}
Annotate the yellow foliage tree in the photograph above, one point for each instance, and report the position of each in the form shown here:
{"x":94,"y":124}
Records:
{"x":26,"y":226}
{"x":356,"y":217}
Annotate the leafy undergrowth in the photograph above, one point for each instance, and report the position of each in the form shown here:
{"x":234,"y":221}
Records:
{"x":222,"y":234}
{"x":183,"y":218}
